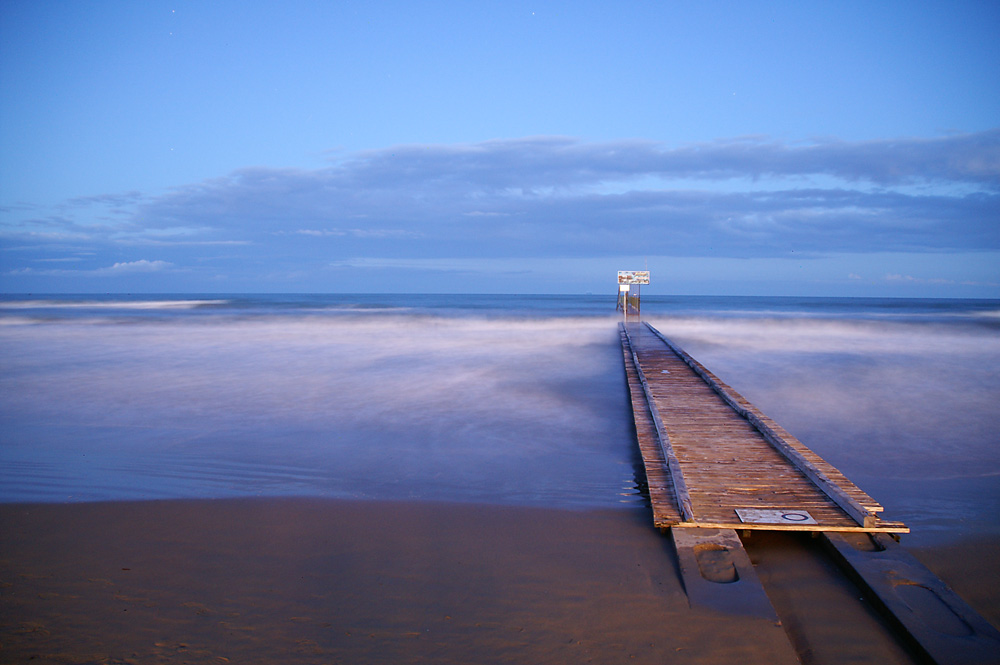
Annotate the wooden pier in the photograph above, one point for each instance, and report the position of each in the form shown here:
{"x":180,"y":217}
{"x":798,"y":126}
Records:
{"x":713,"y":460}
{"x":717,"y":467}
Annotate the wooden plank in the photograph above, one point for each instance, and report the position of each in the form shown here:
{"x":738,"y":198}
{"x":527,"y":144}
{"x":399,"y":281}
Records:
{"x":934,"y":617}
{"x":737,"y":525}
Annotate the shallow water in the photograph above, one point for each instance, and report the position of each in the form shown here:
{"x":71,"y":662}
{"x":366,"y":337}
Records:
{"x":277,"y":399}
{"x":498,"y":399}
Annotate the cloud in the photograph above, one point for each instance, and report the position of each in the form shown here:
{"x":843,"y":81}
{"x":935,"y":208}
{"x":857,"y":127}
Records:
{"x":540,"y":162}
{"x":114,"y":200}
{"x":458,"y":266}
{"x":142,"y":265}
{"x":554,"y":196}
{"x":896,"y":277}
{"x":120,"y":268}
{"x":910,"y":279}
{"x":358,"y":233}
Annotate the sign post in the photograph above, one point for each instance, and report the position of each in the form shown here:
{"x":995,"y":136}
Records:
{"x":628,"y":290}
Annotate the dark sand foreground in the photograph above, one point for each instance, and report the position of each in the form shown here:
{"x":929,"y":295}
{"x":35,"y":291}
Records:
{"x":322,"y":581}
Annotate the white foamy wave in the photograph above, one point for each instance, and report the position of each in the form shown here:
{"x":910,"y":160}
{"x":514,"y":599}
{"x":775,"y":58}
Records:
{"x":813,"y":335}
{"x":116,"y":304}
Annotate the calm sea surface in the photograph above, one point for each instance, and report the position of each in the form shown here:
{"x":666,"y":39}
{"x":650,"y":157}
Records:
{"x":497,"y":399}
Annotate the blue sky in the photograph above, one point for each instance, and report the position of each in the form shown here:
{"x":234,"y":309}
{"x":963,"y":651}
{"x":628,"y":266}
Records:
{"x":798,"y":148}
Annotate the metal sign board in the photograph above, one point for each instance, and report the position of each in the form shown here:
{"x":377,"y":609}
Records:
{"x":759,"y":516}
{"x":633,"y":277}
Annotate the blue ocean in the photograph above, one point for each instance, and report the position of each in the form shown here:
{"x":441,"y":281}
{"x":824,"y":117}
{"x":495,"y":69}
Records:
{"x":479,"y":398}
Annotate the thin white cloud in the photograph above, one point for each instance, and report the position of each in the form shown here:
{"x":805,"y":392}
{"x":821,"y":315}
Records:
{"x":153,"y":242}
{"x":910,"y":279}
{"x":896,"y":277}
{"x":447,"y":265}
{"x":356,"y":232}
{"x":122,"y":267}
{"x":321,"y":233}
{"x":142,"y":265}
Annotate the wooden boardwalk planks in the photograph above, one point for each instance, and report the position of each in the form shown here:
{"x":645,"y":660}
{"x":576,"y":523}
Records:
{"x":708,"y":452}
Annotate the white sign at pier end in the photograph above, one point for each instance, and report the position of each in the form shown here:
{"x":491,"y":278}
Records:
{"x":633,"y":277}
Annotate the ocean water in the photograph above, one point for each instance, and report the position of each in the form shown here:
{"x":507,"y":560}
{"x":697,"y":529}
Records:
{"x":496,"y":399}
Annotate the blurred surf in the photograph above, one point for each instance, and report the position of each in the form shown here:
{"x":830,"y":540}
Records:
{"x":502,"y":399}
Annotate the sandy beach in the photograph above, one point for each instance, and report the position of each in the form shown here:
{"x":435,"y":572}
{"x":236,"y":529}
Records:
{"x":327,"y":581}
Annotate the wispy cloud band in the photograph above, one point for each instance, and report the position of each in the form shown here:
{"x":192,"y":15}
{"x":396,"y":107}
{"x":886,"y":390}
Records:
{"x":558,"y":197}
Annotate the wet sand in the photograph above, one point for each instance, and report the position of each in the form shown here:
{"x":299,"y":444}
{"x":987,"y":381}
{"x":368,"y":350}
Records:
{"x":326,"y":581}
